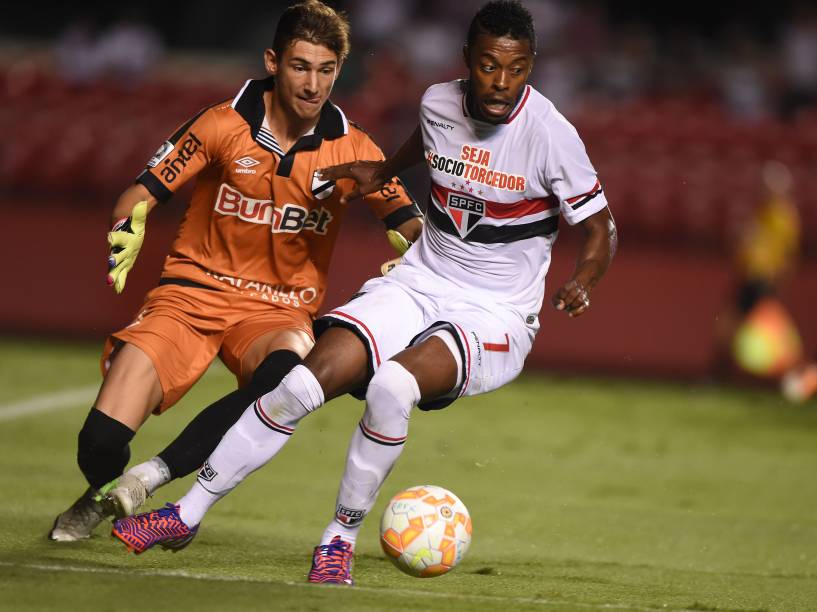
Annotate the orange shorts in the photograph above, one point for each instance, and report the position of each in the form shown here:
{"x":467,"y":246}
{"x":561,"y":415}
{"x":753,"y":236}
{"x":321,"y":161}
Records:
{"x":182,"y":329}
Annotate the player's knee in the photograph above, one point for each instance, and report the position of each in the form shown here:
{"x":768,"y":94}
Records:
{"x":102,"y":448}
{"x":272,"y":370}
{"x":298,"y":394}
{"x":392,"y":393}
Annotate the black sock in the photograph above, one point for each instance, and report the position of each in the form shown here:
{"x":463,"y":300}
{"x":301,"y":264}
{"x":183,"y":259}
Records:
{"x":102,"y":448}
{"x":199,"y":439}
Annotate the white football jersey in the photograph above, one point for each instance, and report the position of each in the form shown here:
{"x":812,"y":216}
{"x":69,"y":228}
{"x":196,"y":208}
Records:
{"x":497,"y":192}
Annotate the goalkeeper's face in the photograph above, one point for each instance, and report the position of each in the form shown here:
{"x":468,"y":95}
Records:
{"x":304,"y":76}
{"x":498,"y":69}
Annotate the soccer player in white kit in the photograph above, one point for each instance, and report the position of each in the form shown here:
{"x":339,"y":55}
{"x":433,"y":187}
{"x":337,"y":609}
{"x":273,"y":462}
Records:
{"x":458,"y":316}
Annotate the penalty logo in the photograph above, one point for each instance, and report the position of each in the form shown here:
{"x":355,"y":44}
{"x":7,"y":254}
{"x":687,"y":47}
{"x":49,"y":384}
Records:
{"x":465,"y":212}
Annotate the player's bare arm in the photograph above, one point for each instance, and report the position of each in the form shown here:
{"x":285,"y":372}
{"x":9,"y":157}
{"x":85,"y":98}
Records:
{"x":370,"y":176}
{"x":597,"y":251}
{"x":131,"y":197}
{"x":411,"y":229}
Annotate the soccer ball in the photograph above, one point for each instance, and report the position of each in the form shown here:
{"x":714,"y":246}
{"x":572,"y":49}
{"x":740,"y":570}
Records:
{"x":425,"y":531}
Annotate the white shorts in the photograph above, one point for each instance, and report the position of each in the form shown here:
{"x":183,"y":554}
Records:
{"x":403,"y":308}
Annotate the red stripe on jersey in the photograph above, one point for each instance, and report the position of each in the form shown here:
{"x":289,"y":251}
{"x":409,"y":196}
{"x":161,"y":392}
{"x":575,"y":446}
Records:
{"x":521,"y":104}
{"x":499,"y":348}
{"x":574,"y":199}
{"x":499,"y":210}
{"x":365,"y":329}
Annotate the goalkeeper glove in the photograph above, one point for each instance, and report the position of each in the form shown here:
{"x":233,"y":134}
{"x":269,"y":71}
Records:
{"x":126,"y":238}
{"x":400,"y":244}
{"x":398,"y":241}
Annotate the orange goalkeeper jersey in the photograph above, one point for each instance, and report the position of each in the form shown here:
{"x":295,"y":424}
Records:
{"x":259,"y":222}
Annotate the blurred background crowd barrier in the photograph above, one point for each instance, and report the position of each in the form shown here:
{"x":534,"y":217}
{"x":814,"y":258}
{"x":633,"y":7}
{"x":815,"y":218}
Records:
{"x":679,"y":111}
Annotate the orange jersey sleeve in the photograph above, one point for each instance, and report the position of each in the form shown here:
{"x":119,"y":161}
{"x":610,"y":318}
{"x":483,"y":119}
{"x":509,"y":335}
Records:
{"x":393,"y":204}
{"x":193,"y":146}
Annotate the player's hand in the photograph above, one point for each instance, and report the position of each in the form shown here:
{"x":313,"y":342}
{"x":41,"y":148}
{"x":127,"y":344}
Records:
{"x":126,"y":238}
{"x":366,"y":174}
{"x":572,"y":297}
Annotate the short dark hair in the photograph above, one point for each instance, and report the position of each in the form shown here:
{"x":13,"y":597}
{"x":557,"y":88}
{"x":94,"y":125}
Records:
{"x":503,"y":18}
{"x":314,"y":22}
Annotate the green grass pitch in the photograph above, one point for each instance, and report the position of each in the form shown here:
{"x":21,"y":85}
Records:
{"x":585,"y":495}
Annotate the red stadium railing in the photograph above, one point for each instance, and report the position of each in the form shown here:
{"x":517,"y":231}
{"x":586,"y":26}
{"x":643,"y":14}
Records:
{"x":676,"y":170}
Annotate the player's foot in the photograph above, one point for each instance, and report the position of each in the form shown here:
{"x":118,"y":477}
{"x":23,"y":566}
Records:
{"x":332,"y":563}
{"x":163,"y":527}
{"x":800,"y":384}
{"x":80,"y":520}
{"x":126,"y":496}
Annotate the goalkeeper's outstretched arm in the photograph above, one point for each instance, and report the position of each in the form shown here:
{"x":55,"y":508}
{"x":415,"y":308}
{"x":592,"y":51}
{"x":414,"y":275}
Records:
{"x":127,"y":233}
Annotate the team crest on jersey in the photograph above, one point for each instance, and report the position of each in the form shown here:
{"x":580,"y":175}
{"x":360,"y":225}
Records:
{"x":321,"y":189}
{"x":465,"y":212}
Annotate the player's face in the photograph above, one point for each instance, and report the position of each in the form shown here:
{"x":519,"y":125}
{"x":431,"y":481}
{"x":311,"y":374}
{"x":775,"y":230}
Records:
{"x":304,"y":76}
{"x":498,"y":70}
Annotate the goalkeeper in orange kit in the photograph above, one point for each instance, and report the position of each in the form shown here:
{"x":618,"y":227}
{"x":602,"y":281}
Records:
{"x":247,"y":272}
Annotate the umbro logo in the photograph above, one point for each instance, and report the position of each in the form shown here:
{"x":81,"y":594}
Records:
{"x":246,"y":164}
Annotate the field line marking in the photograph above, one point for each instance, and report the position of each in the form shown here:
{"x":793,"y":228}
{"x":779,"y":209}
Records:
{"x":375,"y":590}
{"x":49,"y":402}
{"x":71,"y":397}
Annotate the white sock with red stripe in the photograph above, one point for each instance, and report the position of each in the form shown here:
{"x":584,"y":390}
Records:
{"x":376,"y":444}
{"x":256,"y":438}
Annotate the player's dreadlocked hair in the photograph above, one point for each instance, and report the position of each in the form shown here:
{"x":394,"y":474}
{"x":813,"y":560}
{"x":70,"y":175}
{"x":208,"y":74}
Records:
{"x":503,"y":18}
{"x":314,"y":22}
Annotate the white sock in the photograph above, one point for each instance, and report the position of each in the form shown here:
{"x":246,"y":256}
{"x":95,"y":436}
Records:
{"x":256,"y":438}
{"x":376,"y":444}
{"x":153,"y":473}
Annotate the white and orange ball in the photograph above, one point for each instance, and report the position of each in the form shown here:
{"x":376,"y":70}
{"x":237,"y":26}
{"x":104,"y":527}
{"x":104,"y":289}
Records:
{"x":425,"y":531}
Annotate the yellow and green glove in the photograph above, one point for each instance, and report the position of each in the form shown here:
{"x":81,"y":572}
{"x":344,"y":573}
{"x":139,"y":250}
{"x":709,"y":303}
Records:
{"x":400,"y":244}
{"x":398,"y":241}
{"x":126,"y":238}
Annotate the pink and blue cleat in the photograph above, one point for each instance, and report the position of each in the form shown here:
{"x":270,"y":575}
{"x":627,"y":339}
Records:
{"x":332,"y":563}
{"x":163,"y":527}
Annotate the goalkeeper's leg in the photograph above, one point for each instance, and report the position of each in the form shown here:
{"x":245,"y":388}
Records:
{"x":129,"y":392}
